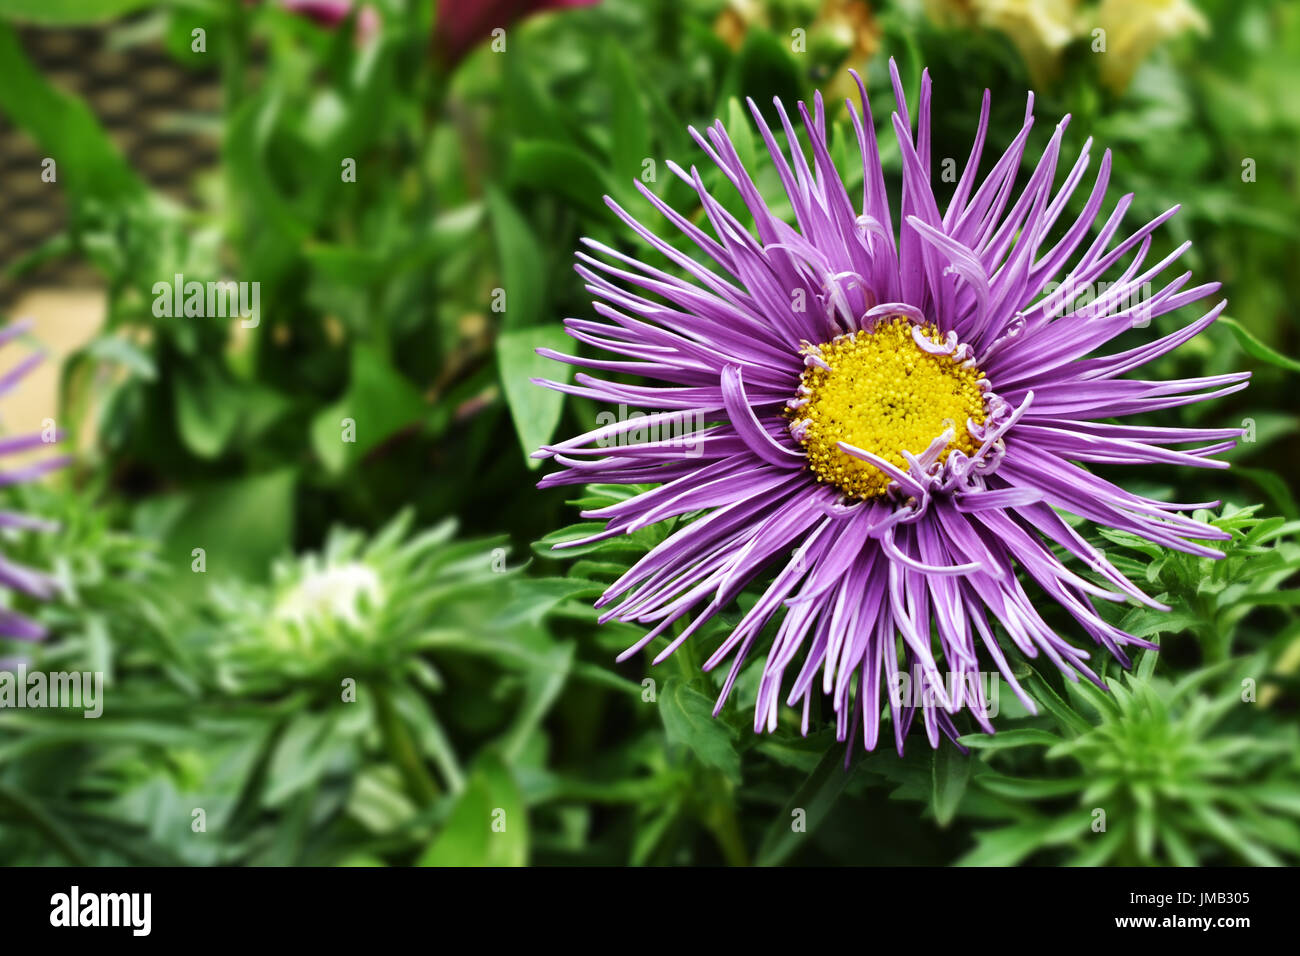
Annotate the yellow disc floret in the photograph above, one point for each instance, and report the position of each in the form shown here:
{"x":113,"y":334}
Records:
{"x":883,"y":393}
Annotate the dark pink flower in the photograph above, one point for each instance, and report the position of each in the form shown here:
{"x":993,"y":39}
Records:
{"x":463,"y":24}
{"x":330,"y":13}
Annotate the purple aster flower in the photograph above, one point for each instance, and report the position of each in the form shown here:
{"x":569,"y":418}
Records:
{"x":891,"y":420}
{"x":12,"y":575}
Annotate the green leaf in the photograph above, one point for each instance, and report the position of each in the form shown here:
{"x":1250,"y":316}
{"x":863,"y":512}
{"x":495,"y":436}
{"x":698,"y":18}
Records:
{"x":561,"y":169}
{"x":1275,"y":599}
{"x":65,"y":12}
{"x":1144,"y":622}
{"x":1257,"y":349}
{"x":37,"y":817}
{"x":536,"y":410}
{"x":763,"y":69}
{"x":1021,"y":788}
{"x":1276,"y":796}
{"x":1217,"y":825}
{"x":649,"y":834}
{"x":629,"y":118}
{"x":1003,"y":739}
{"x":1099,"y":848}
{"x":528,"y":108}
{"x":123,"y":352}
{"x":241,"y":525}
{"x":302,"y":756}
{"x":1043,"y":693}
{"x":950,"y":774}
{"x":1144,"y":830}
{"x":1277,"y":488}
{"x":1009,"y":845}
{"x":807,"y":808}
{"x":741,"y":133}
{"x":413,"y":710}
{"x":88,"y":165}
{"x":544,"y":547}
{"x":359,"y":265}
{"x":245,"y":150}
{"x":688,"y":721}
{"x":1147,"y":665}
{"x":523,"y":270}
{"x":488,"y":826}
{"x":543,"y":686}
{"x":379,"y":402}
{"x":1179,"y":852}
{"x":378,"y":802}
{"x":207,"y":409}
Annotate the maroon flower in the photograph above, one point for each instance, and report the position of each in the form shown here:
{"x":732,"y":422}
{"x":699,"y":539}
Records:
{"x":463,"y":24}
{"x":330,"y":13}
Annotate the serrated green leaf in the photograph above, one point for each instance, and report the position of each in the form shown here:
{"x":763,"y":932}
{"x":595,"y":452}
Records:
{"x":688,"y":721}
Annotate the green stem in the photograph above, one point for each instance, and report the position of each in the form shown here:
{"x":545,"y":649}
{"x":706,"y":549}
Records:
{"x":684,"y":657}
{"x":726,"y":827}
{"x":41,"y":821}
{"x":234,"y":55}
{"x":720,"y":813}
{"x":400,"y":746}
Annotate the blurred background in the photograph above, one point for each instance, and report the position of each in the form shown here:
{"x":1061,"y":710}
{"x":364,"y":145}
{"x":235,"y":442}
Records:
{"x":301,"y":540}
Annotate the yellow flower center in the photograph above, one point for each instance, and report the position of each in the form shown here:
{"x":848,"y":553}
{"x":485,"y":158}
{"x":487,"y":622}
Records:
{"x":883,"y":393}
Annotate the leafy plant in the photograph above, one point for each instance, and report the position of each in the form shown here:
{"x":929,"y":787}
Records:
{"x":1159,"y":773}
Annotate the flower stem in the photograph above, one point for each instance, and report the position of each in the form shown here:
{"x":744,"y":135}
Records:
{"x":400,"y":746}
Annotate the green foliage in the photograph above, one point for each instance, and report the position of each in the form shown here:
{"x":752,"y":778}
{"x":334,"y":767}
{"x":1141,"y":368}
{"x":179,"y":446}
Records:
{"x":1158,"y":773}
{"x":1210,"y":597}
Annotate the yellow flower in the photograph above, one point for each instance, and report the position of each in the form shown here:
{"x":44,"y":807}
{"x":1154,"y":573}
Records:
{"x":837,"y":34}
{"x":1040,"y":30}
{"x":1135,"y":27}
